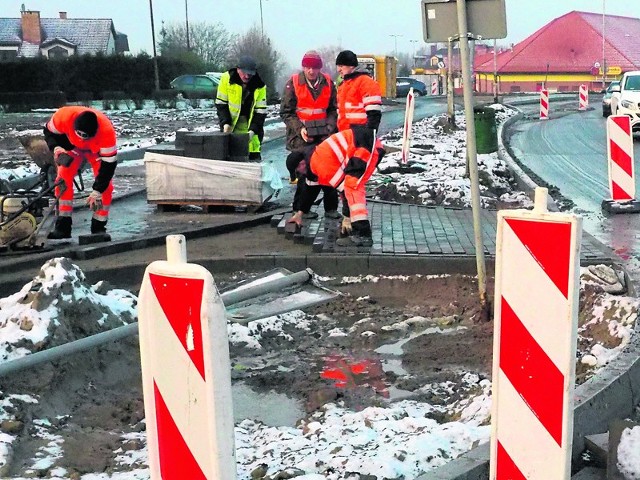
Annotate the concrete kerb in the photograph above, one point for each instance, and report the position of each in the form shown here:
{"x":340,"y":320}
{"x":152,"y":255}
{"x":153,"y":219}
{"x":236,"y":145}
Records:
{"x":611,"y":394}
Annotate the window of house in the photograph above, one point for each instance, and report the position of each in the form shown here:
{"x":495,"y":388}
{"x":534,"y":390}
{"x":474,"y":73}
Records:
{"x":7,"y":55}
{"x":58,"y":52}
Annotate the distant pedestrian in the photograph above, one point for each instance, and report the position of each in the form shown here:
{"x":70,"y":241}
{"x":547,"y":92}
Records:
{"x":309,"y":111}
{"x":75,"y":135}
{"x":241,"y":103}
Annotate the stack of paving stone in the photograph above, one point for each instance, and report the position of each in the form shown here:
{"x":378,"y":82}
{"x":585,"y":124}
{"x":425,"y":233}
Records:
{"x":230,"y":147}
{"x":320,"y":232}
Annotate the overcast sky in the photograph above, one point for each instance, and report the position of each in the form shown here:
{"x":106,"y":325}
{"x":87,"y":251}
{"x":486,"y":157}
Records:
{"x":365,"y":26}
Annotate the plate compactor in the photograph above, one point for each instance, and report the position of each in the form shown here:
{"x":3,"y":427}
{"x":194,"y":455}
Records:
{"x":27,"y":215}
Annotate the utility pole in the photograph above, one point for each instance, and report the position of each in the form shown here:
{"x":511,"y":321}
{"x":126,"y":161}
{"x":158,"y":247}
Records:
{"x":155,"y":56}
{"x":495,"y":71}
{"x":186,"y":14}
{"x":604,"y":60}
{"x":261,"y":20}
{"x":450,"y":106}
{"x":472,"y":154}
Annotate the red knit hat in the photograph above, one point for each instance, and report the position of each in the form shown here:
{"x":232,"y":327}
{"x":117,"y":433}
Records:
{"x":312,"y":59}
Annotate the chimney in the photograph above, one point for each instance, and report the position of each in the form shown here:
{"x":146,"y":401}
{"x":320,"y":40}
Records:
{"x":63,"y":15}
{"x":31,"y":27}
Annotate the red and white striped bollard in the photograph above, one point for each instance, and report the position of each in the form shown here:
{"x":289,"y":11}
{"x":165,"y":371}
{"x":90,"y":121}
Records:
{"x":434,"y":87}
{"x":535,"y":336}
{"x":584,"y":97}
{"x":544,"y":104}
{"x":186,"y":372}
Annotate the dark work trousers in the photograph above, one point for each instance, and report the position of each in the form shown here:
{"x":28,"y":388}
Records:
{"x":296,"y":166}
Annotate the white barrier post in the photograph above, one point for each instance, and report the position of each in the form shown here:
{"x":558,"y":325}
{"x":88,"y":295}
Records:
{"x":544,"y":104}
{"x":408,"y":122}
{"x":434,"y":87}
{"x":535,"y":335}
{"x":186,"y":371}
{"x":584,"y":97}
{"x":620,"y":161}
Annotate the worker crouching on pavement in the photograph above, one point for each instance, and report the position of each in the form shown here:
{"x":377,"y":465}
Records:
{"x":76,"y":135}
{"x":346,"y":160}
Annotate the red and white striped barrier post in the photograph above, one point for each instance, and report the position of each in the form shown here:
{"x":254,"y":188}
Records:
{"x":186,"y":371}
{"x":535,"y":336}
{"x":544,"y":104}
{"x":434,"y":87}
{"x":622,"y":183}
{"x":408,"y":122}
{"x":584,"y":97}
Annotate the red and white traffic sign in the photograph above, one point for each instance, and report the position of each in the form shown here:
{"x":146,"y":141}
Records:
{"x":434,"y":87}
{"x":622,"y":183}
{"x":186,"y":371}
{"x":408,"y":122}
{"x":544,"y":104}
{"x":535,"y":335}
{"x":584,"y":97}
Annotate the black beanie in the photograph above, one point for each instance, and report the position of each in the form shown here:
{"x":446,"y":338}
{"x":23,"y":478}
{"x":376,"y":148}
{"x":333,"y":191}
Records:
{"x":347,"y":58}
{"x":87,"y":122}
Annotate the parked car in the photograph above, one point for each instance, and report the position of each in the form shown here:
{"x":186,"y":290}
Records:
{"x":606,"y":99}
{"x":625,"y":98}
{"x":196,"y":86}
{"x":403,"y":84}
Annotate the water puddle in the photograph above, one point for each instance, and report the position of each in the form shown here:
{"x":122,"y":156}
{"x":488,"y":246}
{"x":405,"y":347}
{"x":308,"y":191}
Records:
{"x":272,"y":409}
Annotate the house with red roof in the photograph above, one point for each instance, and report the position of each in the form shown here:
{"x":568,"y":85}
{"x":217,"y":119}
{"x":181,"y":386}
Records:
{"x":565,"y":53}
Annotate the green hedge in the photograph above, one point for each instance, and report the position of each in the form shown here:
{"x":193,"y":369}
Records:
{"x":79,"y":77}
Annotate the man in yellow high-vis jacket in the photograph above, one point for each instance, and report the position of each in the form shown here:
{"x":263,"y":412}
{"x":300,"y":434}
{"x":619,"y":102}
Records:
{"x":241,"y":103}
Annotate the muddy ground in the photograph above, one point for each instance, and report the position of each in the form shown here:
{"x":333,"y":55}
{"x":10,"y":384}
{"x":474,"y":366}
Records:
{"x":350,"y":352}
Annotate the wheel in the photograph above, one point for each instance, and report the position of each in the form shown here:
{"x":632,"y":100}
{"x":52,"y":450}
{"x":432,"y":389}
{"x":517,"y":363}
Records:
{"x":417,"y":93}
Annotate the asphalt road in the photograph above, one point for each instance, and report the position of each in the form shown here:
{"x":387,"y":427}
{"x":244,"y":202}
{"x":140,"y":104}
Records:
{"x":570,"y":151}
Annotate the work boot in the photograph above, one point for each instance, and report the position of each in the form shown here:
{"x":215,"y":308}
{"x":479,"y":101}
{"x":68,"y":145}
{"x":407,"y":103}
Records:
{"x":309,"y":215}
{"x":334,"y":214}
{"x":61,"y":230}
{"x":98,"y":226}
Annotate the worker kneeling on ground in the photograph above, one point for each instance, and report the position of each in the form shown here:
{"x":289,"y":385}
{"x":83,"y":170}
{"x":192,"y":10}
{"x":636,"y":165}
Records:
{"x":75,"y":135}
{"x":346,"y":160}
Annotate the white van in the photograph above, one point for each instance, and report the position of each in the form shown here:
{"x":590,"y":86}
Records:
{"x":625,"y":99}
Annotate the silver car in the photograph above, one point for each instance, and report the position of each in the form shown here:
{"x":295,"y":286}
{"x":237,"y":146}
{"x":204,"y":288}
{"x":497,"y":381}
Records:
{"x":606,"y":100}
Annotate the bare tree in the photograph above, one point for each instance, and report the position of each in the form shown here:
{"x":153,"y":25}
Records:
{"x":209,"y":42}
{"x":328,"y":55}
{"x":270,"y":62}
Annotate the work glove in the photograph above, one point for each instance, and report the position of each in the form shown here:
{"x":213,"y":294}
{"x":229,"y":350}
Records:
{"x":62,"y":157}
{"x":94,"y":200}
{"x":227,"y":128}
{"x":251,"y":134}
{"x":345,"y":227}
{"x":304,"y":135}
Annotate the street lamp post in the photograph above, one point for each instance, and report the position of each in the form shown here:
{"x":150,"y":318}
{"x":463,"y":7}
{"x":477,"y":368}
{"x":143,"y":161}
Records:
{"x":414,"y":51}
{"x":261,"y":20}
{"x":395,"y":43}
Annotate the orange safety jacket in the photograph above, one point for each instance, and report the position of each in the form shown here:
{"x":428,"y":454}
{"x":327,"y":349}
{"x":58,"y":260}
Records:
{"x":309,"y":108}
{"x":102,"y":144}
{"x":339,"y":156}
{"x":358,"y":96}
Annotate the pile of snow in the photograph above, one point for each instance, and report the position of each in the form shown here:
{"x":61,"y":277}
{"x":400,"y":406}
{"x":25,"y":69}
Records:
{"x":436,"y":172}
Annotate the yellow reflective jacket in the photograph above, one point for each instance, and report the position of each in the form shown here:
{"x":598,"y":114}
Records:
{"x":230,"y":104}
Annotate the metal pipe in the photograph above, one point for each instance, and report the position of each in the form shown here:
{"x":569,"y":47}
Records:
{"x":228,"y":298}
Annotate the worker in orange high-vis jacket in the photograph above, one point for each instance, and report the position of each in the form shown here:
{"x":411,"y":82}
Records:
{"x":75,"y":135}
{"x":346,"y":160}
{"x":359,"y":95}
